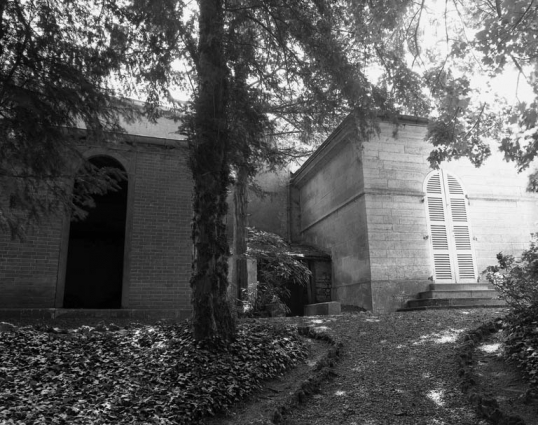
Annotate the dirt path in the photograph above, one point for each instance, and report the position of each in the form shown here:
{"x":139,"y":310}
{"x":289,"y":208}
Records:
{"x":395,"y":369}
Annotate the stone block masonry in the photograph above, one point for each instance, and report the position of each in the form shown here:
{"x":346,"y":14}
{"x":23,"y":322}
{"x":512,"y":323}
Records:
{"x":323,"y":309}
{"x":364,"y":202}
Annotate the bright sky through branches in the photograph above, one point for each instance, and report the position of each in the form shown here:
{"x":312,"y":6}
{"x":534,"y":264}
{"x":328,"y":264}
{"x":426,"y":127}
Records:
{"x":441,"y":23}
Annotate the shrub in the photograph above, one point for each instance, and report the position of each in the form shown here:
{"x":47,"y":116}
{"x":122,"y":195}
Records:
{"x":277,"y":269}
{"x":521,"y":343}
{"x":517,"y":280}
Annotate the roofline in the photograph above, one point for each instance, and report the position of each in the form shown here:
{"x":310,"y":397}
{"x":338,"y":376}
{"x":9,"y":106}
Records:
{"x":139,"y":138}
{"x":330,"y":143}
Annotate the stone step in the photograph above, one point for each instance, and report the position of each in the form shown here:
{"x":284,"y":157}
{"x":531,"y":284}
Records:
{"x":460,"y":286}
{"x":487,"y":293}
{"x":452,"y":302}
{"x":448,"y":307}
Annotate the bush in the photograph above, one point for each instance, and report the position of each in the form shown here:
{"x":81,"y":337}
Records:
{"x":521,"y":344}
{"x":277,"y":269}
{"x":517,"y":280}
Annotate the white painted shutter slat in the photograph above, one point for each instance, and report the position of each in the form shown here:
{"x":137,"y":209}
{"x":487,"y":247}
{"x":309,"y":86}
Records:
{"x":458,"y":210}
{"x":466,"y":268}
{"x":463,"y":252}
{"x":450,"y":233}
{"x":437,"y":219}
{"x":454,"y":187}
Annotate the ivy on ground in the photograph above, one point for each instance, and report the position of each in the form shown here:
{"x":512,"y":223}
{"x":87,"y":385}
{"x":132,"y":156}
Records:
{"x":150,"y":374}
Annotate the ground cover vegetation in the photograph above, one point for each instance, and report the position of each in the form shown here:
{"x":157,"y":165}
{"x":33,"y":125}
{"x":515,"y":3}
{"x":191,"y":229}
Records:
{"x":139,"y":373}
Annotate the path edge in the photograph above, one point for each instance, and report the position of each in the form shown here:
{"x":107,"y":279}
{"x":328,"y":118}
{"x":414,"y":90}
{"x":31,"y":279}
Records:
{"x":322,"y":370}
{"x":487,"y":406}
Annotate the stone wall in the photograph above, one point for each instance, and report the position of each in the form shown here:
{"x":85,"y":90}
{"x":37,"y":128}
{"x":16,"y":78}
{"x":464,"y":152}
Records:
{"x":269,"y":212}
{"x":501,"y":213}
{"x":321,"y":276}
{"x":330,"y":189}
{"x":394,"y":170}
{"x":363,"y":202}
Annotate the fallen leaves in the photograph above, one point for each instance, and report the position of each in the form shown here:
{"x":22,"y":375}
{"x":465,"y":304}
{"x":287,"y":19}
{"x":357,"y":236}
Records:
{"x":150,"y":374}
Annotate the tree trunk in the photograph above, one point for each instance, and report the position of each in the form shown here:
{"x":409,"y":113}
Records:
{"x":240,"y":232}
{"x":212,"y":316}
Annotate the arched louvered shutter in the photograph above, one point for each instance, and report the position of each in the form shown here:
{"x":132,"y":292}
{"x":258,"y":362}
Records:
{"x":461,"y":230}
{"x":439,"y":231}
{"x":449,"y":229}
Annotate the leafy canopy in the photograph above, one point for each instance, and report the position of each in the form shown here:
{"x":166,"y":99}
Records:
{"x":62,"y":65}
{"x":480,"y":45}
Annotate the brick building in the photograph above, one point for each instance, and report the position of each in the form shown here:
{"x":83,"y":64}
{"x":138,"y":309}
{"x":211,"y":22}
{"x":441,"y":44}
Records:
{"x":392,"y":225}
{"x":133,"y":252}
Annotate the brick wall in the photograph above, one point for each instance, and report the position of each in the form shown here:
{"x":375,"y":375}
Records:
{"x":28,"y":270}
{"x":161,"y":248}
{"x":158,"y":247}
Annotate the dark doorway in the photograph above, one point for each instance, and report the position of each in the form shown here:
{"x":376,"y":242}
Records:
{"x":94,"y":271}
{"x":297,"y":300}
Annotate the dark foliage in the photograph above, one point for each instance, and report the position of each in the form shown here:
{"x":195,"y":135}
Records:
{"x":277,"y":269}
{"x":521,"y":345}
{"x":517,"y":281}
{"x":63,"y":65}
{"x":142,"y":374}
{"x":469,"y":118}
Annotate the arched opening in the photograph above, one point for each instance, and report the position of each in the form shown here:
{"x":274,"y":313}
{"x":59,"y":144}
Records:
{"x":94,"y":270}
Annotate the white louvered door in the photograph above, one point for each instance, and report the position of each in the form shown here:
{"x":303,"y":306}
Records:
{"x":439,"y":231}
{"x":450,"y":233}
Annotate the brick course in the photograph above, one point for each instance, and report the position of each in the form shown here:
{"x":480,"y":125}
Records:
{"x":158,"y":247}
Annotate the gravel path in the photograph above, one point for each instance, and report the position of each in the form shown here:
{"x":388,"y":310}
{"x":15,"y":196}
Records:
{"x":395,"y":369}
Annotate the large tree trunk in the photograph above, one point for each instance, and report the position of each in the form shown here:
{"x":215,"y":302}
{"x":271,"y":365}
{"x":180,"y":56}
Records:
{"x":212,"y":316}
{"x":240,"y":232}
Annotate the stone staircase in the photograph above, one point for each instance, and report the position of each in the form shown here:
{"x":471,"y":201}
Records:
{"x":455,"y":295}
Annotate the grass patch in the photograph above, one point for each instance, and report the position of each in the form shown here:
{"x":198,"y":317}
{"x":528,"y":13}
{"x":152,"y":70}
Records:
{"x":151,"y":374}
